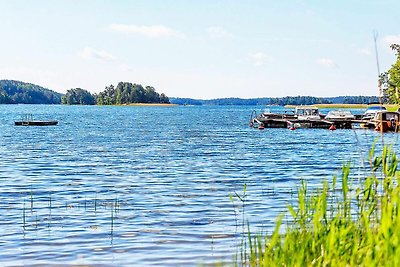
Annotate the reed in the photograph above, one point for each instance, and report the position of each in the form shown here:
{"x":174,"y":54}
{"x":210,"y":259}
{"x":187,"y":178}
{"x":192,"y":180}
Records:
{"x":355,"y":225}
{"x":31,"y":195}
{"x":50,"y":202}
{"x":23,"y":215}
{"x":112,"y":218}
{"x":95,"y":202}
{"x":234,"y":210}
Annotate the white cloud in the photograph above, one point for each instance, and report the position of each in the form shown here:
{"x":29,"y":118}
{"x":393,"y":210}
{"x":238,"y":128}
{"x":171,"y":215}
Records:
{"x":218,"y":32}
{"x":154,"y":31}
{"x":364,"y":51}
{"x":258,"y":58}
{"x":326,"y":62}
{"x":90,"y":53}
{"x":392,"y":39}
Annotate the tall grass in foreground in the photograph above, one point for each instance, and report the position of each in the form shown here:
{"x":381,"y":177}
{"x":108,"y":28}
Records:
{"x":342,"y":225}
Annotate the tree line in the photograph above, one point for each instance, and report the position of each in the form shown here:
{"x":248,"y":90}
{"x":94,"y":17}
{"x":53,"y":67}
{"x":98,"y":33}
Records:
{"x":279,"y":101}
{"x":17,"y":92}
{"x":123,"y":93}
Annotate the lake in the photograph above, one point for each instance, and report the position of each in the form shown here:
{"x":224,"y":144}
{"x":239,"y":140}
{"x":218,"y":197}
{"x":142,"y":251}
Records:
{"x":149,"y":186}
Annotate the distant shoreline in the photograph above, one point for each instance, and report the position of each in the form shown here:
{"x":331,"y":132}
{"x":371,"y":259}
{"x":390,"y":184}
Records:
{"x":147,"y":105}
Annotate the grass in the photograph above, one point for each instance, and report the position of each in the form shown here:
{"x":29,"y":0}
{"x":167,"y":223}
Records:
{"x":343,"y":225}
{"x":392,"y":107}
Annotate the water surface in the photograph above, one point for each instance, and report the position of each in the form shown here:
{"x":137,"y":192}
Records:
{"x":150,"y":185}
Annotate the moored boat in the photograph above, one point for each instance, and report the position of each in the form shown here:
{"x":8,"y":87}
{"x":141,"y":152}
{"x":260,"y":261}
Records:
{"x":302,"y":117}
{"x":342,"y":119}
{"x":339,"y":115}
{"x":385,"y":121}
{"x":371,"y":111}
{"x":309,"y":117}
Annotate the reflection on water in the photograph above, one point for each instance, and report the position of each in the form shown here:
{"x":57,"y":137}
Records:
{"x":150,"y":185}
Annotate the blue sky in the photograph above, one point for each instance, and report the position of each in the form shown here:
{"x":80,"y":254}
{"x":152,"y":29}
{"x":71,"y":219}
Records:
{"x":200,"y":49}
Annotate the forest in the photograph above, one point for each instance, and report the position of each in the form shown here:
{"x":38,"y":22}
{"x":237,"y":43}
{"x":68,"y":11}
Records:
{"x":17,"y":92}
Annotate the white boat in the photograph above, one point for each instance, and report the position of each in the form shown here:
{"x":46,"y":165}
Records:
{"x":307,"y":113}
{"x":339,"y":115}
{"x":309,"y":117}
{"x":371,"y":111}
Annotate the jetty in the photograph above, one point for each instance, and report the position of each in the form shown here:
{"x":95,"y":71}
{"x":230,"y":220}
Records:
{"x":310,"y":117}
{"x":27,"y":120}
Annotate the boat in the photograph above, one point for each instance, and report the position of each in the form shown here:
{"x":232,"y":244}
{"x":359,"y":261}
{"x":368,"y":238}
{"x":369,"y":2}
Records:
{"x":371,"y":111}
{"x":28,"y":120}
{"x":309,"y":117}
{"x":307,"y":113}
{"x":273,"y":120}
{"x":302,"y":117}
{"x":340,"y":115}
{"x":342,"y":119}
{"x":368,"y":115}
{"x":385,"y":121}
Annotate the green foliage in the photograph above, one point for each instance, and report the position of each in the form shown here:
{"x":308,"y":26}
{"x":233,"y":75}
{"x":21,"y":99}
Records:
{"x":128,"y":93}
{"x":350,"y":226}
{"x":16,"y":92}
{"x":390,"y":80}
{"x":78,"y":96}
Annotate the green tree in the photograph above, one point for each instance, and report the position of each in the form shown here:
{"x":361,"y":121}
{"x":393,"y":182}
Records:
{"x":164,"y":99}
{"x":110,"y":95}
{"x":151,"y":95}
{"x":126,"y":93}
{"x":99,"y":98}
{"x":118,"y":93}
{"x":4,"y":99}
{"x":78,"y":96}
{"x":141,"y":94}
{"x":390,"y":80}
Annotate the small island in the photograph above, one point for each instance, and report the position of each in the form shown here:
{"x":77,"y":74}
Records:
{"x":125,"y":93}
